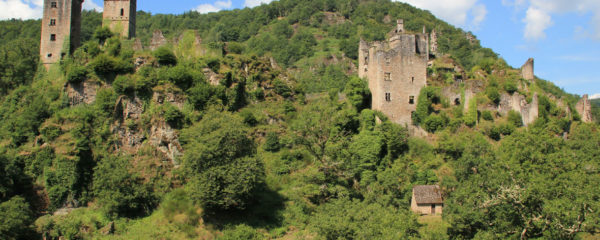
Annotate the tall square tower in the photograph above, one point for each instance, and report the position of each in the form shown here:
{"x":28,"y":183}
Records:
{"x":61,"y":29}
{"x":119,"y":16}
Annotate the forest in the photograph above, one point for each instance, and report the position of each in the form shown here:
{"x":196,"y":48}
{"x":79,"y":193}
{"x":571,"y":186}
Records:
{"x":263,"y":130}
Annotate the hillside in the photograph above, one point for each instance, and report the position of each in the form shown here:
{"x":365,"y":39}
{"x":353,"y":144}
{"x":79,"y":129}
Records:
{"x":254,"y":124}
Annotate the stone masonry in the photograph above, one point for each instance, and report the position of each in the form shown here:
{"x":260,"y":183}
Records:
{"x":527,"y":70}
{"x":61,"y":28}
{"x":584,"y":108}
{"x":119,"y":16}
{"x":396,"y":71}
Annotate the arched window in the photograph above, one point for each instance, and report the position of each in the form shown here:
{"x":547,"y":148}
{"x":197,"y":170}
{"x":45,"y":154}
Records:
{"x":122,"y":12}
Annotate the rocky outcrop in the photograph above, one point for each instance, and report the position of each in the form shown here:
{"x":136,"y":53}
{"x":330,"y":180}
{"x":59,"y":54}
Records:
{"x":166,"y":141}
{"x":333,"y":18}
{"x":128,"y":112}
{"x":165,"y":96}
{"x":140,"y":62}
{"x":529,"y":111}
{"x":158,"y":40}
{"x":137,"y":45}
{"x":83,"y":92}
{"x":211,"y":76}
{"x":584,"y":108}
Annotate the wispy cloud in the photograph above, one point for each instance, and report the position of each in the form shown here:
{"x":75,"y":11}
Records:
{"x":254,"y":3}
{"x":595,"y":96}
{"x":32,"y":9}
{"x":464,"y":13}
{"x":214,"y":7}
{"x":578,"y":58}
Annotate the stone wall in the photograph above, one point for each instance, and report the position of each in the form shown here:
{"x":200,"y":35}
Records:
{"x":82,"y":93}
{"x":527,"y":70}
{"x":158,"y":40}
{"x":119,"y":16}
{"x":61,"y":28}
{"x":584,"y":108}
{"x":396,"y":71}
{"x":425,"y":209}
{"x":529,"y":111}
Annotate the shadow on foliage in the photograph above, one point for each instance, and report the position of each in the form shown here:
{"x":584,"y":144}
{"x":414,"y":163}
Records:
{"x":264,"y":212}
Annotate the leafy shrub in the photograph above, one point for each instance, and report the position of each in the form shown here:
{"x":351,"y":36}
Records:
{"x":165,"y":56}
{"x":493,"y":94}
{"x":173,"y":115}
{"x":119,"y":192}
{"x":272,"y":142}
{"x":242,"y":231}
{"x":487,"y":115}
{"x":510,"y":87}
{"x":16,"y":219}
{"x":77,"y":74}
{"x":515,"y":118}
{"x":248,"y":117}
{"x":106,"y":66}
{"x":282,"y":89}
{"x":235,"y":47}
{"x":123,"y":85}
{"x":435,"y":122}
{"x":102,"y":33}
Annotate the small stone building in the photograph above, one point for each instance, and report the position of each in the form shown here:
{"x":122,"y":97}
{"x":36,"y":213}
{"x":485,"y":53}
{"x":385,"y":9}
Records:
{"x":427,"y":200}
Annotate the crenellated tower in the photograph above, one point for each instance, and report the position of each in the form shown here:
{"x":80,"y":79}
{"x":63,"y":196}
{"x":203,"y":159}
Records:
{"x":396,"y":70}
{"x":61,"y":29}
{"x":119,"y":16}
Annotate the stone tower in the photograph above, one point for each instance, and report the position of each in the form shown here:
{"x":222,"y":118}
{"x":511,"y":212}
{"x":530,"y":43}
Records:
{"x":61,"y":28}
{"x":527,"y":70}
{"x":584,"y":108}
{"x":119,"y":16}
{"x":396,"y":70}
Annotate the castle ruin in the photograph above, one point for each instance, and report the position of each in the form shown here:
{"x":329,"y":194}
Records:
{"x":396,"y":70}
{"x":119,"y":16}
{"x":527,"y":70}
{"x":434,"y":44}
{"x":584,"y":108}
{"x":61,"y":28}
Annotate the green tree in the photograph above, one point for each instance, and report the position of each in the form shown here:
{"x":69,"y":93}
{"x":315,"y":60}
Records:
{"x":16,"y":219}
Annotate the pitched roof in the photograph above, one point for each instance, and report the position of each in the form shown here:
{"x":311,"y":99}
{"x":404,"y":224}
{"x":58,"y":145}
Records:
{"x":427,"y":194}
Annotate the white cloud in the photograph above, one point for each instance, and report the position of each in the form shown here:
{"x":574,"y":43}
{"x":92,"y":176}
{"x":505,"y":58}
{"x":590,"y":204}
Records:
{"x":215,"y":7}
{"x":89,"y":5}
{"x":19,"y":9}
{"x":536,"y":22}
{"x":254,"y":3}
{"x":595,"y":96}
{"x":458,"y":12}
{"x":539,"y":15}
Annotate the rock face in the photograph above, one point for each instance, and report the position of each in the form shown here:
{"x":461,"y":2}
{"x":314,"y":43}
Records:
{"x":158,"y":40}
{"x":529,"y":111}
{"x":128,"y":111}
{"x":584,"y":108}
{"x":332,"y":18}
{"x":211,"y":76}
{"x":83,"y":92}
{"x":166,"y":141}
{"x":171,"y":97}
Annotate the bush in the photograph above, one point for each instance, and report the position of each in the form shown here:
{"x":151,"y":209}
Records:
{"x":493,"y":94}
{"x":515,"y":118}
{"x":510,"y":87}
{"x":272,"y":142}
{"x":16,"y":219}
{"x":435,"y":123}
{"x":173,"y":115}
{"x":165,"y":56}
{"x":123,"y":85}
{"x":282,"y":89}
{"x":235,"y":47}
{"x":102,"y":33}
{"x":77,"y":74}
{"x":241,"y":232}
{"x":487,"y":115}
{"x":248,"y":117}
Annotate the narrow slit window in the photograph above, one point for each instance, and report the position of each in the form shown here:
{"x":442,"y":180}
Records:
{"x":52,"y":22}
{"x":411,"y":100}
{"x":412,"y":80}
{"x":122,"y":12}
{"x":388,"y":97}
{"x":387,"y":77}
{"x":52,"y":37}
{"x":53,"y":5}
{"x":49,"y":55}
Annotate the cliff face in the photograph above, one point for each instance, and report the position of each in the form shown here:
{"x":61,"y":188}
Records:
{"x":83,"y":92}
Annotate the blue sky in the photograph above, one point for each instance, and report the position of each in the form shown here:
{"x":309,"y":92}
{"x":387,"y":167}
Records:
{"x":562,"y":35}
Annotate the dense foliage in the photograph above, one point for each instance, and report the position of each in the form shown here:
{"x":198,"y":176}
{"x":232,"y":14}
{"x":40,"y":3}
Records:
{"x":262,"y":130}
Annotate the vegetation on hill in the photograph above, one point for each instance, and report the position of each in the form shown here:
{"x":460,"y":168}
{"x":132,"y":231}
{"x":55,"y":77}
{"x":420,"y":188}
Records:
{"x":264,"y":131}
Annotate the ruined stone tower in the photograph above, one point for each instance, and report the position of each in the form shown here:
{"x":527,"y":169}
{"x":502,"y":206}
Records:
{"x":61,"y":28}
{"x":119,"y":16}
{"x":584,"y":108}
{"x":434,"y":44}
{"x":527,"y":70}
{"x":396,"y":70}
